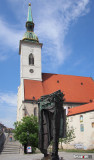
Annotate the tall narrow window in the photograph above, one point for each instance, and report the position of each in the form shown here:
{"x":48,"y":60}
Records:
{"x":81,"y":118}
{"x":35,"y":111}
{"x":81,"y":127}
{"x":31,"y":59}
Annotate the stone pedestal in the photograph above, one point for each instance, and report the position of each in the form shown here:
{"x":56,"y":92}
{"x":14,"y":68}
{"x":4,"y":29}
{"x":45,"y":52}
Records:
{"x":50,"y":158}
{"x":47,"y":158}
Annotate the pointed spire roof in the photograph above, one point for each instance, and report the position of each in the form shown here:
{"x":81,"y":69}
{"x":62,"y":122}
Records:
{"x":29,"y":34}
{"x":29,"y":23}
{"x":29,"y":18}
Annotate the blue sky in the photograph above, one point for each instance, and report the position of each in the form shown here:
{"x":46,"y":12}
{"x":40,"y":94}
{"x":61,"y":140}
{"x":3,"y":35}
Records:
{"x":66,"y":29}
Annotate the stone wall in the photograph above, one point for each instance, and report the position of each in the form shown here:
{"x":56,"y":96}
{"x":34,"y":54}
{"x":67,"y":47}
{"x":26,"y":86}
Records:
{"x":84,"y":131}
{"x":2,"y":141}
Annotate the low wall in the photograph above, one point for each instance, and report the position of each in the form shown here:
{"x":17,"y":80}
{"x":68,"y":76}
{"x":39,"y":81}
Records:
{"x":2,"y":141}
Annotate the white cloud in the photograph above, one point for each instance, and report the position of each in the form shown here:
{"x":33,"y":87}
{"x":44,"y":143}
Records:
{"x":8,"y":36}
{"x":8,"y":98}
{"x":9,"y":39}
{"x":8,"y":108}
{"x":52,"y":22}
{"x":57,"y":17}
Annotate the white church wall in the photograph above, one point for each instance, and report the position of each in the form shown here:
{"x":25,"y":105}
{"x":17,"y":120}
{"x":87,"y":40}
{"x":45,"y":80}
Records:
{"x":71,"y":105}
{"x":29,"y":109}
{"x":84,"y":139}
{"x":20,"y":99}
{"x":35,"y":75}
{"x":19,"y":102}
{"x":26,"y":50}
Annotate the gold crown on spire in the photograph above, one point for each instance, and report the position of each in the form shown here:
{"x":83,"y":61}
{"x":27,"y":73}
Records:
{"x":29,"y":4}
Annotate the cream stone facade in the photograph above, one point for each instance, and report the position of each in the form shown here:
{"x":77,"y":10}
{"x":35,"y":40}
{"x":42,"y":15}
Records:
{"x":83,"y":129}
{"x":25,"y":108}
{"x":28,"y":48}
{"x":20,"y":104}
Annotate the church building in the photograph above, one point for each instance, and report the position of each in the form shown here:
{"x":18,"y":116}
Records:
{"x":77,"y":90}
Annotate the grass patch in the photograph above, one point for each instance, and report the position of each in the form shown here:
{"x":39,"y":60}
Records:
{"x":69,"y":150}
{"x":76,"y":150}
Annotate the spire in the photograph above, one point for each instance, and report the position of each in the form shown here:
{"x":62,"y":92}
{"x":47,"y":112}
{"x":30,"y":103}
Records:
{"x":29,"y":34}
{"x":29,"y":18}
{"x":29,"y":23}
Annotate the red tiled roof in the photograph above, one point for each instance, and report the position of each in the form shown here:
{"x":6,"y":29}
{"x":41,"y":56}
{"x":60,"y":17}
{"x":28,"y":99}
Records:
{"x":76,"y":89}
{"x":81,"y":109}
{"x":32,"y":89}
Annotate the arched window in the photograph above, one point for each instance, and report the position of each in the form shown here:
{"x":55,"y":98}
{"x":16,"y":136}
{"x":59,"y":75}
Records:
{"x":35,"y":111}
{"x":31,"y":59}
{"x":81,"y":118}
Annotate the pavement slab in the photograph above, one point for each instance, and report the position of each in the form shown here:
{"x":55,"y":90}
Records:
{"x":65,"y":155}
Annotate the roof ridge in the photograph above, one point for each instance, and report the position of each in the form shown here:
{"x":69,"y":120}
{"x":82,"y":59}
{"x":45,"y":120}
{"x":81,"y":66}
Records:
{"x":81,"y":109}
{"x":68,"y":75}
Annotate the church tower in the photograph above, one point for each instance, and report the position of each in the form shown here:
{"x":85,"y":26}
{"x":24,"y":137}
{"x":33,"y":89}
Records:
{"x":30,"y":52}
{"x":30,"y":65}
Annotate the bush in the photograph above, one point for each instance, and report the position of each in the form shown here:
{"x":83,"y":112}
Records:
{"x":26,"y":132}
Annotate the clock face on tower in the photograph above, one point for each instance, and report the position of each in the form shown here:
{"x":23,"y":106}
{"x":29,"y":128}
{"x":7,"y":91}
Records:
{"x":31,"y":70}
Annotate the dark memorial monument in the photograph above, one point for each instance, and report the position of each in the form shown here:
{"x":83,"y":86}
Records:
{"x":52,"y":123}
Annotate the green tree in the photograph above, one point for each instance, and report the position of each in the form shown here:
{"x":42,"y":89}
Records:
{"x":70,"y":135}
{"x":26,"y":132}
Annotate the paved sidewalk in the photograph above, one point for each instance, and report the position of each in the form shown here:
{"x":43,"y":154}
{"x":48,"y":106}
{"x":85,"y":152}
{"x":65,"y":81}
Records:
{"x":65,"y":155}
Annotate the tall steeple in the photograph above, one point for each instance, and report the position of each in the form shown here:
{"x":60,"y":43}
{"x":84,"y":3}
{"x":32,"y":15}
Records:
{"x":29,"y":34}
{"x":30,"y":51}
{"x":29,"y":18}
{"x":30,"y":64}
{"x":29,"y":23}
